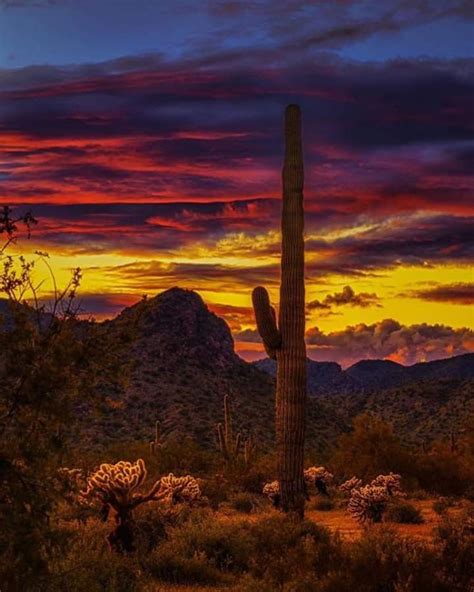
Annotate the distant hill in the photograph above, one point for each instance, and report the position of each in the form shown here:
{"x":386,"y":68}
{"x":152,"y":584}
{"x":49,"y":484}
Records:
{"x":369,"y":375}
{"x":183,"y":363}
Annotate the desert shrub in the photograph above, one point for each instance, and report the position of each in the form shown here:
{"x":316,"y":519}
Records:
{"x":444,"y":472}
{"x":215,"y":491}
{"x":455,"y":537}
{"x":289,"y":553}
{"x":167,"y":566}
{"x":382,"y":561}
{"x":404,"y":513}
{"x":224,"y":545}
{"x":184,"y":456}
{"x":370,"y":449}
{"x":441,"y":505}
{"x":243,"y":502}
{"x":86,"y":563}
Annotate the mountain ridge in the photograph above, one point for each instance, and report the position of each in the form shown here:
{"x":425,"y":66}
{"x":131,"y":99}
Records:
{"x":372,"y":374}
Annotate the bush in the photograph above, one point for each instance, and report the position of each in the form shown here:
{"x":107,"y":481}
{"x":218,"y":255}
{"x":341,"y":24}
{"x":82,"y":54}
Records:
{"x":243,"y":502}
{"x":404,"y":513}
{"x":225,"y":546}
{"x":88,"y":564}
{"x":441,"y":505}
{"x":455,"y":536}
{"x":383,"y":561}
{"x":168,"y":566}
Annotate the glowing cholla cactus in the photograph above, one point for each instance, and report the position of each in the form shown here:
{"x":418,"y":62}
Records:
{"x":272,"y":491}
{"x":350,"y":484}
{"x":391,"y":482}
{"x":319,"y":477}
{"x":313,"y":473}
{"x":179,"y":489}
{"x":368,"y":503}
{"x":114,"y":486}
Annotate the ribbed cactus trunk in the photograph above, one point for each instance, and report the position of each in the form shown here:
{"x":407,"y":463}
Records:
{"x":285,"y":342}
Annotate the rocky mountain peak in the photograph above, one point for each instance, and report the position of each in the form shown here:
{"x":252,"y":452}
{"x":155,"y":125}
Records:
{"x":177,"y":322}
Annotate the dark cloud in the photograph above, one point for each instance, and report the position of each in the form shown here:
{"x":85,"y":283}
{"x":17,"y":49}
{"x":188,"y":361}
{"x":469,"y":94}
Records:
{"x":347,"y":297}
{"x":154,"y":276}
{"x":450,"y":293}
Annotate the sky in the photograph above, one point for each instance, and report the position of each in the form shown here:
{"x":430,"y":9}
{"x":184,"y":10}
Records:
{"x":146,"y":138}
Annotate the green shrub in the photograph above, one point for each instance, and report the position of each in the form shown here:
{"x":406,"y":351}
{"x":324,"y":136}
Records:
{"x":404,"y":513}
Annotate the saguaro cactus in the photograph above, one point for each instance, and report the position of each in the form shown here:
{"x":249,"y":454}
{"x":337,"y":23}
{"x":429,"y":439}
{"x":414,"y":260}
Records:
{"x":285,"y":342}
{"x":228,"y":445}
{"x":156,"y":444}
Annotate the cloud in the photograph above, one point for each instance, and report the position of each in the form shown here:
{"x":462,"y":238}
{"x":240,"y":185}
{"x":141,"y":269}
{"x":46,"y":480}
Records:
{"x":389,"y":339}
{"x":346,"y":297}
{"x":461,"y":293}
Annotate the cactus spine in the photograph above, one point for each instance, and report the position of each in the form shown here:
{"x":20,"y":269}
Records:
{"x":285,"y":342}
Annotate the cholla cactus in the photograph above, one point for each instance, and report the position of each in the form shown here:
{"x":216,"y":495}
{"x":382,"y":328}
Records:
{"x":350,"y":484}
{"x":272,"y":491}
{"x":180,"y":489}
{"x":319,"y":477}
{"x":391,"y":482}
{"x":114,"y":486}
{"x":368,"y":503}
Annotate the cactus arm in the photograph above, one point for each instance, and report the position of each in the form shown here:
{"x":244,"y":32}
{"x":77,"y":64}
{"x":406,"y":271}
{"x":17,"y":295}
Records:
{"x":222,"y":440}
{"x":266,"y":321}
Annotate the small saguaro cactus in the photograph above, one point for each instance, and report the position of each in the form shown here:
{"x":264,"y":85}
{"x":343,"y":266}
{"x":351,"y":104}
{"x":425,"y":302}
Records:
{"x":156,"y":444}
{"x":228,"y":445}
{"x":285,"y":341}
{"x":249,"y":449}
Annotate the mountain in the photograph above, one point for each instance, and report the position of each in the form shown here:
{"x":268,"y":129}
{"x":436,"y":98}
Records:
{"x":369,"y":375}
{"x":182,"y":364}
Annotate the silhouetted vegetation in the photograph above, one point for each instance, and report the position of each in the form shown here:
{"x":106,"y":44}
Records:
{"x":88,"y":528}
